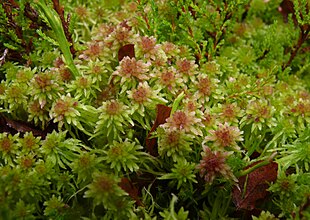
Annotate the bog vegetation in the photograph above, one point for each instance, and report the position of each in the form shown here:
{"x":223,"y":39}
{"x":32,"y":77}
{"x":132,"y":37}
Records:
{"x":154,"y":109}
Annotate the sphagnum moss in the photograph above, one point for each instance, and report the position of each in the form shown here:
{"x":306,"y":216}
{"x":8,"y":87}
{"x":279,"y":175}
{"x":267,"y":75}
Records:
{"x":233,"y":76}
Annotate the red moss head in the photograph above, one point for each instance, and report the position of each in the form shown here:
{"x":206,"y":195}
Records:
{"x":213,"y":164}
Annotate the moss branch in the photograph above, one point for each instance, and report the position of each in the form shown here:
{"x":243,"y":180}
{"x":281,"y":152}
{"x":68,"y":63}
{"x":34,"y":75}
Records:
{"x":302,"y":38}
{"x":256,"y":166}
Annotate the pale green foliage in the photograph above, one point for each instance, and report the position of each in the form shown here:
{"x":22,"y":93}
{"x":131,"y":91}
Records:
{"x":59,"y":151}
{"x":175,"y":144}
{"x":114,"y":119}
{"x":54,"y":207}
{"x":104,"y":189}
{"x":124,"y":155}
{"x":232,"y":76}
{"x":290,"y":192}
{"x":265,"y":216}
{"x":171,"y":214}
{"x":182,"y":173}
{"x":297,"y":153}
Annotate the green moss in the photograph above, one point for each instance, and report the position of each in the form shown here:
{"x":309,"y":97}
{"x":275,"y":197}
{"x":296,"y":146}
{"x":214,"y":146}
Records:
{"x":83,"y":130}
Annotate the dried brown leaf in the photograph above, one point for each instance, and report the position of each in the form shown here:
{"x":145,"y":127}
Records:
{"x":126,"y":50}
{"x":133,"y":191}
{"x":14,"y":126}
{"x":253,"y":187}
{"x":163,"y":112}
